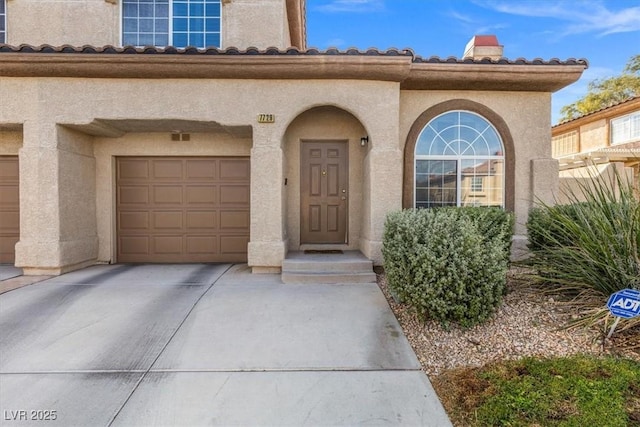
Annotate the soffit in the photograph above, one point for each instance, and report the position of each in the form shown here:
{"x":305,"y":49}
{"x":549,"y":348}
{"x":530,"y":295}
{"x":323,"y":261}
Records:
{"x":118,"y":128}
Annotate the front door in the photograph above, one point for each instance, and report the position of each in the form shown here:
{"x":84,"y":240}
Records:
{"x":324,"y":192}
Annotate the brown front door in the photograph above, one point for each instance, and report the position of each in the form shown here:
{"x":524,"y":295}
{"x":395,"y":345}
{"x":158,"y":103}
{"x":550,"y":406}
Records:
{"x":9,"y":208}
{"x":323,"y":192}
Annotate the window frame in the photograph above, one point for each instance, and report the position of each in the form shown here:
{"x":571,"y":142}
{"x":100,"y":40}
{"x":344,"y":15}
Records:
{"x":3,"y":19}
{"x":459,"y":159}
{"x":170,"y":29}
{"x":634,"y":125}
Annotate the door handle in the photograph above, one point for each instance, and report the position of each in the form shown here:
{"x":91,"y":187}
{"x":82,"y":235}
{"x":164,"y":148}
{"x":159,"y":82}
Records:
{"x":344,"y":197}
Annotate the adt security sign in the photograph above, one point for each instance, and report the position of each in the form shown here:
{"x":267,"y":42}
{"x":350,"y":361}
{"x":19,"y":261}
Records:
{"x":625,"y":303}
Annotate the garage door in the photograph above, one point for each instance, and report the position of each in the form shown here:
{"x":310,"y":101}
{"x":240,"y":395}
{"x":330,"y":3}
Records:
{"x":181,"y":209}
{"x":9,"y":208}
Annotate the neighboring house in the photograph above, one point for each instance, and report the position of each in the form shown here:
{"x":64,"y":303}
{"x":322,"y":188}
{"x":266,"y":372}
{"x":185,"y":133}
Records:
{"x":610,"y":134}
{"x":593,"y":145}
{"x":246,"y":149}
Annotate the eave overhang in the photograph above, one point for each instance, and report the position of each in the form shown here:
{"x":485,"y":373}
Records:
{"x":493,"y":77}
{"x":401,"y":66}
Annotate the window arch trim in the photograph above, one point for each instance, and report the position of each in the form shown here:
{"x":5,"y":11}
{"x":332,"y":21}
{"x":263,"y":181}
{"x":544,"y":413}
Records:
{"x":459,"y":104}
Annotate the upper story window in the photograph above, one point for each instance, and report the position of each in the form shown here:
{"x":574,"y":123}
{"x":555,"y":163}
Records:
{"x":178,"y":23}
{"x":625,"y":129}
{"x":3,"y":22}
{"x":459,"y":161}
{"x":565,"y":144}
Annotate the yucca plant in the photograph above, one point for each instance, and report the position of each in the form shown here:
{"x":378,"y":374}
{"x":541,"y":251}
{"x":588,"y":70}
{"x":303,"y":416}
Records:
{"x":591,"y":245}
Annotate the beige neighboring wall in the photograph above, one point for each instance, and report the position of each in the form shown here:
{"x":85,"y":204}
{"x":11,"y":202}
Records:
{"x":594,"y":135}
{"x":58,"y":22}
{"x":257,"y":23}
{"x":147,"y":144}
{"x":528,"y":117}
{"x":573,"y":181}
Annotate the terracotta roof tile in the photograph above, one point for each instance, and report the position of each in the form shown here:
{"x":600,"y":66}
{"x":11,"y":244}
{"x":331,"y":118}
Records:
{"x":130,"y":50}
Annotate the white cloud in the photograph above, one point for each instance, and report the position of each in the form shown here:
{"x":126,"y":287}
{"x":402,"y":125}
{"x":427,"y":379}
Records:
{"x":586,"y":16}
{"x":472,"y":25}
{"x":351,"y":6}
{"x":335,"y":43}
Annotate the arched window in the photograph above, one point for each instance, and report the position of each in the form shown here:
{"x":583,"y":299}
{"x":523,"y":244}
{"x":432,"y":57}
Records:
{"x":459,"y":161}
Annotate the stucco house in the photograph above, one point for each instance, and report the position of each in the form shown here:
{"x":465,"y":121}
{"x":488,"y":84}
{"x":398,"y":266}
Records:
{"x":597,"y":142}
{"x":247,"y":146}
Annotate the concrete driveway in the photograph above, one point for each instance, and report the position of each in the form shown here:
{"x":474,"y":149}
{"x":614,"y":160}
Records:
{"x":205,"y":345}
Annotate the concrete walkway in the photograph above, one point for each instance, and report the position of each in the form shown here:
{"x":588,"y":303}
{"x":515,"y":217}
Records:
{"x":205,"y":345}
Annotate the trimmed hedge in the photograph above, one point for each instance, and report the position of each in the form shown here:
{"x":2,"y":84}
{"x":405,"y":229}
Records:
{"x":449,"y":264}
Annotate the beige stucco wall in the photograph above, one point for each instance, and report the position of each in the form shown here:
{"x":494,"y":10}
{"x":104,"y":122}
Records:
{"x":55,"y":161}
{"x":325,"y":123}
{"x":73,"y":129}
{"x":260,"y":23}
{"x":58,"y":22}
{"x":594,"y":135}
{"x":528,"y":117}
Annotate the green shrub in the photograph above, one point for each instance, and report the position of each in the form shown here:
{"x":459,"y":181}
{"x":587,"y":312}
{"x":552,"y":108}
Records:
{"x":449,"y":264}
{"x":593,"y":244}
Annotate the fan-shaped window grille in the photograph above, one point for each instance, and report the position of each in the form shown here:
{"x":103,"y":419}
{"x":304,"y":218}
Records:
{"x":459,"y":161}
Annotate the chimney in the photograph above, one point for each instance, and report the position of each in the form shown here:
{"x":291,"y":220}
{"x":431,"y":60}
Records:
{"x":480,"y":47}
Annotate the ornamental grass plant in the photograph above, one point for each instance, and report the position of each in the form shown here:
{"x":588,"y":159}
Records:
{"x":589,"y":247}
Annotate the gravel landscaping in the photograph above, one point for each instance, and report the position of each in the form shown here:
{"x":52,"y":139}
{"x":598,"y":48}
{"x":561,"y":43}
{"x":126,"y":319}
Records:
{"x":528,"y":323}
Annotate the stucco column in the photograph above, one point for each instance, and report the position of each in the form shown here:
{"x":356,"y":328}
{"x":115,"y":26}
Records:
{"x":544,"y":189}
{"x":267,"y":246}
{"x":383,"y":194}
{"x":57,"y":200}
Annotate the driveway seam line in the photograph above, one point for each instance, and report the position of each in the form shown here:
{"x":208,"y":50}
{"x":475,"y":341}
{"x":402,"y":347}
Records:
{"x":144,"y":374}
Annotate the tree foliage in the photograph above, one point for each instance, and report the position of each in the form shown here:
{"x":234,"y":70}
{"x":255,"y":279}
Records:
{"x":603,"y":93}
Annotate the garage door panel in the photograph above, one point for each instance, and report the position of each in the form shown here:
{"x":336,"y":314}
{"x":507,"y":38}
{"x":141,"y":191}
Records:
{"x":202,"y":194}
{"x":203,"y":220}
{"x":167,"y":170}
{"x":234,"y":195}
{"x":133,"y":169}
{"x":167,"y":245}
{"x":197,"y":209}
{"x":9,"y":221}
{"x":134,"y":245}
{"x":167,"y":194}
{"x":134,"y":220}
{"x":167,"y":220}
{"x":233,"y":244}
{"x":9,"y":208}
{"x":234,"y":219}
{"x":201,"y":169}
{"x":133,"y":195}
{"x":9,"y":195}
{"x":202,"y":245}
{"x":234,"y":170}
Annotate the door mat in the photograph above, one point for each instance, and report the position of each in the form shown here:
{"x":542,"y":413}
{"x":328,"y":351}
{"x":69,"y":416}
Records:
{"x":319,"y":251}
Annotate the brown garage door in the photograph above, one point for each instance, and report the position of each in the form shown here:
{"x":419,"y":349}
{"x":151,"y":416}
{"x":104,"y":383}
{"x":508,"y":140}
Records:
{"x":182,"y":209}
{"x":9,"y":208}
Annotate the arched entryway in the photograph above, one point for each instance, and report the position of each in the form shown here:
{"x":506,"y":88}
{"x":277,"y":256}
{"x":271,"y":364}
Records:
{"x":324,"y":179}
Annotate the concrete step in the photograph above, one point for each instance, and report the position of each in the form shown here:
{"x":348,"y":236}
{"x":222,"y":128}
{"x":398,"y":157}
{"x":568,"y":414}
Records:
{"x":348,"y":267}
{"x":329,"y":278}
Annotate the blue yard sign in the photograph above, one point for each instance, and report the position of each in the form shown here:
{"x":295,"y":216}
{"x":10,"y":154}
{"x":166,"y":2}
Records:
{"x":625,"y":303}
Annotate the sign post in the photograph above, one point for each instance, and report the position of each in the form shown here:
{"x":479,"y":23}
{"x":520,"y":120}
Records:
{"x":624,"y":304}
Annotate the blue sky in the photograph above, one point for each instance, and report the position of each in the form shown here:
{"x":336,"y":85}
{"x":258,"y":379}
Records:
{"x":605,"y":32}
